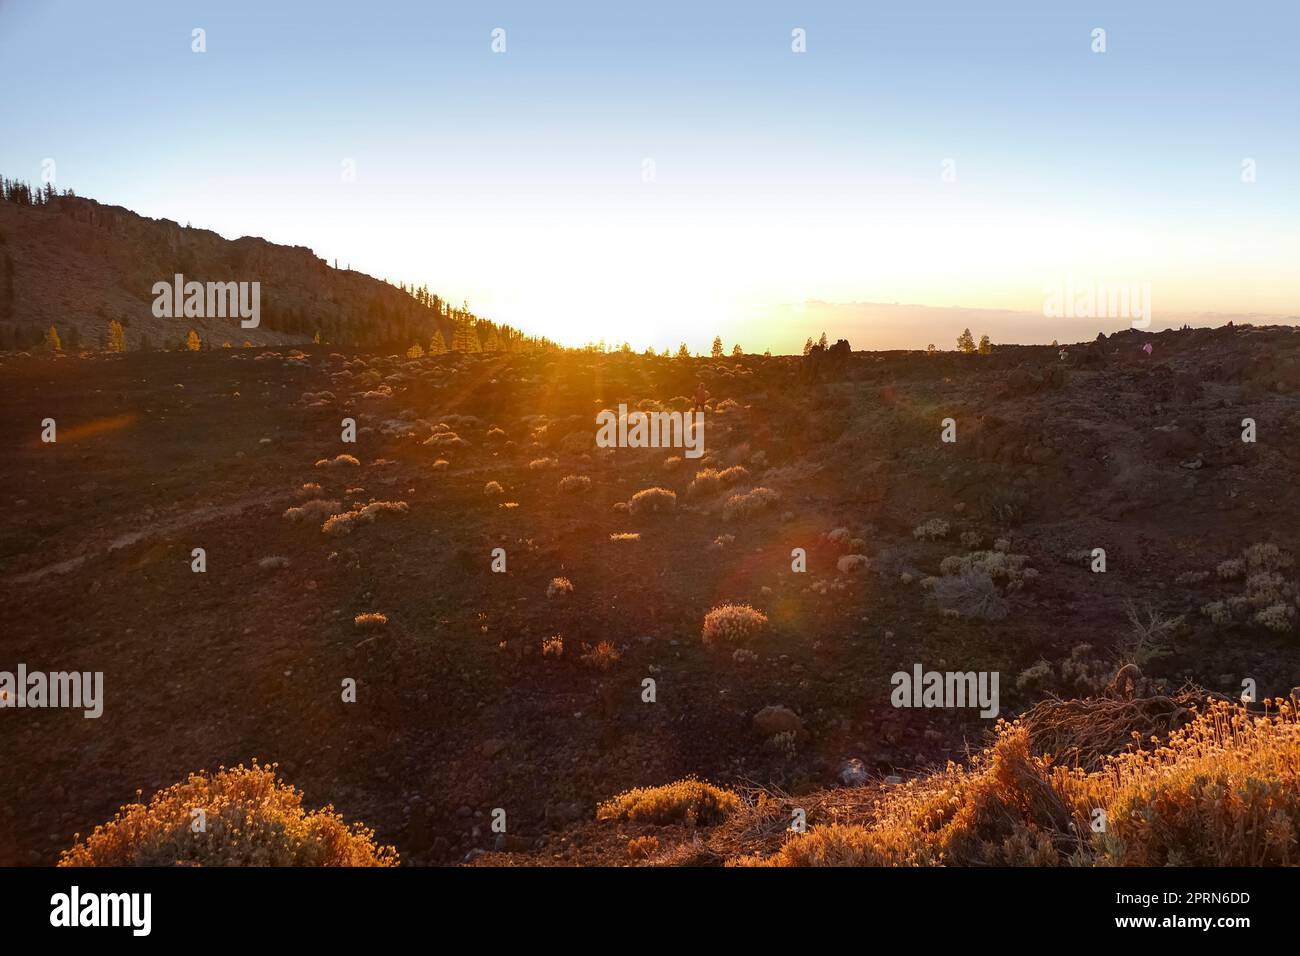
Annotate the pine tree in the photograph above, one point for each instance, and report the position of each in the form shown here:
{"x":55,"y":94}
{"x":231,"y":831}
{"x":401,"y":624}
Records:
{"x":717,"y":346}
{"x":437,"y":344}
{"x":808,"y":346}
{"x":966,"y":342}
{"x":53,"y":341}
{"x":985,"y":347}
{"x":192,"y":341}
{"x":736,"y":351}
{"x":823,"y":341}
{"x":415,"y":351}
{"x":463,"y":338}
{"x":683,"y":352}
{"x":316,"y":337}
{"x":116,"y":337}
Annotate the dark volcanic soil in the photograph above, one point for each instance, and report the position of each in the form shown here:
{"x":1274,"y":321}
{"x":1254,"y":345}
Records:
{"x":458,"y":710}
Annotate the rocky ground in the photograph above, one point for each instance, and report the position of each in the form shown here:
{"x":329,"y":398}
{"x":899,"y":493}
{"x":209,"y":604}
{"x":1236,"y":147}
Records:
{"x":466,"y":703}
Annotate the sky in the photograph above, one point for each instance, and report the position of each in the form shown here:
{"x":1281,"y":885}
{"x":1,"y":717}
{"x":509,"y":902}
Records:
{"x":666,"y":172}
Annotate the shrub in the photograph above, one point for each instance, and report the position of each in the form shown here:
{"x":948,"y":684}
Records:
{"x":628,"y":536}
{"x":561,"y":587}
{"x":338,"y":461}
{"x":252,"y":819}
{"x":971,"y":593}
{"x":553,"y":647}
{"x":365,"y":514}
{"x":688,"y":801}
{"x":1222,"y":791}
{"x":541,"y":464}
{"x":931,"y":530}
{"x":312,"y":510}
{"x":706,"y":482}
{"x":573,"y":484}
{"x":370,"y":621}
{"x":602,"y":657}
{"x":850,"y":563}
{"x":1231,"y":569}
{"x":750,"y":503}
{"x":493,"y":488}
{"x":733,"y":624}
{"x":653,"y":501}
{"x":734,"y":475}
{"x":640,"y":848}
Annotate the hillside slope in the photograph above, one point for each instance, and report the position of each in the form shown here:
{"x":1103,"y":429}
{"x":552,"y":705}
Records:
{"x":76,"y":264}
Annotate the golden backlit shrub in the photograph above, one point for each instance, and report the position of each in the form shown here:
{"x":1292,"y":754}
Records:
{"x":733,"y":624}
{"x":707,"y":481}
{"x":687,"y":801}
{"x":574,"y":484}
{"x":365,"y":514}
{"x":1222,"y":791}
{"x":559,"y":587}
{"x":750,"y":503}
{"x":493,"y":488}
{"x":250,"y":819}
{"x":653,"y":501}
{"x":338,"y":461}
{"x":602,"y":657}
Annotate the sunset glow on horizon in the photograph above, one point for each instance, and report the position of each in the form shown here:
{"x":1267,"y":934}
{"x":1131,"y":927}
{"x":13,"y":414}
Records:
{"x":662,"y":176}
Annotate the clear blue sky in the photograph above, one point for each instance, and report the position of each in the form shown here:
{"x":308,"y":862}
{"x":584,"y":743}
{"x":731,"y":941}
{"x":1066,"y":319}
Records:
{"x":516,"y":180}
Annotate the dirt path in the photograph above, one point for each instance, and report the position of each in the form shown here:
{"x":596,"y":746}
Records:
{"x":187,"y":520}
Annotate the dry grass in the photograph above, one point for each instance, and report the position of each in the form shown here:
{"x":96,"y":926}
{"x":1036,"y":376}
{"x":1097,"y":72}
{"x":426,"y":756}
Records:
{"x":251,"y":819}
{"x":688,"y":801}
